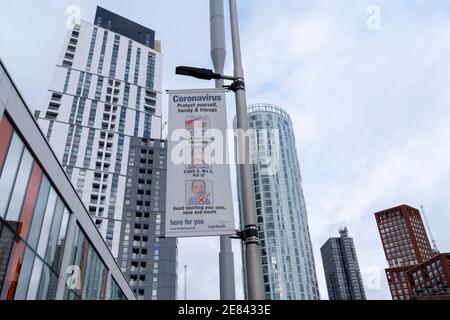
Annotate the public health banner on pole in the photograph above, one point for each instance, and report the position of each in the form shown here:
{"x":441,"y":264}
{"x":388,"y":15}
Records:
{"x":198,"y":198}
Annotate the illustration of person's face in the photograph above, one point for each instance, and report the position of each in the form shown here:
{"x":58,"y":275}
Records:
{"x":198,"y":124}
{"x":198,"y":187}
{"x":197,"y":156}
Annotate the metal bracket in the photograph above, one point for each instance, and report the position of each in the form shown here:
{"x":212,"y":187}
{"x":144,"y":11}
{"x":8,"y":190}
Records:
{"x":249,"y":235}
{"x":237,"y":84}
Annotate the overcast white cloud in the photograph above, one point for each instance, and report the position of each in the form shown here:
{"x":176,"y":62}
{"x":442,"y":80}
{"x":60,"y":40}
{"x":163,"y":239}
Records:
{"x":370,"y":107}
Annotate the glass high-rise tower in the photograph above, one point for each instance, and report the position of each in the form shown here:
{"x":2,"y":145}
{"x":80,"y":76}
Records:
{"x":106,"y":95}
{"x":286,"y":250}
{"x":341,"y":268}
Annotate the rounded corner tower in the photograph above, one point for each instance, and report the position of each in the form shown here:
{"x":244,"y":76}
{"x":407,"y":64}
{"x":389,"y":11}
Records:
{"x":286,"y":249}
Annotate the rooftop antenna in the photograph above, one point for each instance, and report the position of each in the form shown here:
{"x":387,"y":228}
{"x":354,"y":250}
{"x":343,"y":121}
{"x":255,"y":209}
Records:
{"x":343,"y":232}
{"x":185,"y":282}
{"x":435,"y":249}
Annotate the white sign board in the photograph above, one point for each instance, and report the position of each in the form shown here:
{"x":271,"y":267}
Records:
{"x":198,"y":198}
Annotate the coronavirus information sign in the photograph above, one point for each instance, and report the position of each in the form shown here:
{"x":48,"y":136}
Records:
{"x":198,"y":198}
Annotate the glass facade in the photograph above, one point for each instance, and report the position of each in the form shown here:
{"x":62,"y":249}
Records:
{"x":287,"y":256}
{"x":33,"y":223}
{"x":88,"y":272}
{"x":115,"y":293}
{"x":341,"y":268}
{"x":48,"y":242}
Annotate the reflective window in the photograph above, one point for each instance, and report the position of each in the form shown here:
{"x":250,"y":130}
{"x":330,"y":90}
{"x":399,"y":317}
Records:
{"x":20,"y":187}
{"x":7,"y":242}
{"x":33,"y":238}
{"x":115,"y":293}
{"x":9,"y":172}
{"x":89,"y":273}
{"x":33,"y":227}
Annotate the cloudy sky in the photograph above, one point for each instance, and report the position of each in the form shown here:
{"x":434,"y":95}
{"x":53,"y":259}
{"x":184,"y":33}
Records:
{"x":366,"y":83}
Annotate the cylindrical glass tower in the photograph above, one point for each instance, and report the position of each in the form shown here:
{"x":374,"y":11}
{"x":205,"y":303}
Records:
{"x":287,"y":255}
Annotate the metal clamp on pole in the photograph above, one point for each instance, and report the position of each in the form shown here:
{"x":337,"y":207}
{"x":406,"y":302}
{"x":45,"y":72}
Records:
{"x":237,"y":84}
{"x":249,"y":235}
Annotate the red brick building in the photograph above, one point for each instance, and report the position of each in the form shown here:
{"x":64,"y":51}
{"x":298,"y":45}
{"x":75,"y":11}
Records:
{"x":431,"y":279}
{"x":405,"y":244}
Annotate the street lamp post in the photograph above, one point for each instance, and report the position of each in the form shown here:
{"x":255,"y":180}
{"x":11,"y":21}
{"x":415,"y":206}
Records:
{"x":218,"y":56}
{"x":255,"y":282}
{"x":250,"y":237}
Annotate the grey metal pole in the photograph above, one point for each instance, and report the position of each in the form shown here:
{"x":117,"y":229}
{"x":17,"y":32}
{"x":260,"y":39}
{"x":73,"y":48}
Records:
{"x":218,"y":50}
{"x":185,"y":282}
{"x":218,"y":55}
{"x":255,"y":282}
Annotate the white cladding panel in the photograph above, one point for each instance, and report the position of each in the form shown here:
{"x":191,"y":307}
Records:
{"x":76,"y":81}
